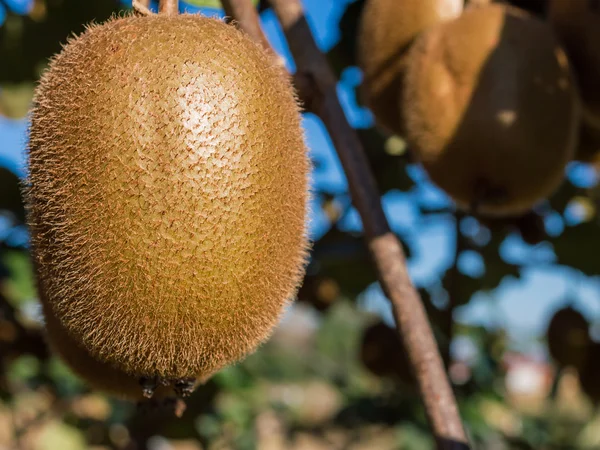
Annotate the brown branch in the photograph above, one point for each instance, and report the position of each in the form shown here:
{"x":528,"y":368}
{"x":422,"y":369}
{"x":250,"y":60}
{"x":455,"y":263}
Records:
{"x":247,"y":20}
{"x":142,"y":7}
{"x":168,"y":7}
{"x":318,"y":89}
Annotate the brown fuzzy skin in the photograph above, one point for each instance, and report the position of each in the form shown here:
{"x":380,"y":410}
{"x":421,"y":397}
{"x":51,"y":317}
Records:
{"x":387,"y":29}
{"x":98,"y":375}
{"x":577,"y":22}
{"x":491,"y":108}
{"x":167,"y":198}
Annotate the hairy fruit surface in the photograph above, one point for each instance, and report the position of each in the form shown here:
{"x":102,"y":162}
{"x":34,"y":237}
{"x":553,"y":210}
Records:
{"x":167,"y":193}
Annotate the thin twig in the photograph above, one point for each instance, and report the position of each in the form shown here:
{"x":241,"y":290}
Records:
{"x":168,"y":7}
{"x":319,"y":92}
{"x":142,"y":7}
{"x":247,"y":20}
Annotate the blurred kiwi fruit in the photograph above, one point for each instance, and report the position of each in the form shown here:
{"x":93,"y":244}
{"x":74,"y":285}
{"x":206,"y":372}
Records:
{"x":167,"y":194}
{"x":383,"y":354}
{"x":491,"y":109}
{"x":568,"y":337}
{"x":589,"y":375}
{"x":387,"y":29}
{"x":577,"y":22}
{"x":319,"y":291}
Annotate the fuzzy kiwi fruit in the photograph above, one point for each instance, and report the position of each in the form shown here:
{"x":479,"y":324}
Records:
{"x":167,"y":194}
{"x":97,"y":374}
{"x":387,"y":29}
{"x":577,"y":22}
{"x":568,"y":337}
{"x":491,"y":109}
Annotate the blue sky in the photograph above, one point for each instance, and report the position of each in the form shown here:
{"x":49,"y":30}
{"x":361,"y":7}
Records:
{"x":522,"y":306}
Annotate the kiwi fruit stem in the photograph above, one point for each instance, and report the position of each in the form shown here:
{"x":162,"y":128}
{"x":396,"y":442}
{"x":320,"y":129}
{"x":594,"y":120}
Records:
{"x":202,"y":118}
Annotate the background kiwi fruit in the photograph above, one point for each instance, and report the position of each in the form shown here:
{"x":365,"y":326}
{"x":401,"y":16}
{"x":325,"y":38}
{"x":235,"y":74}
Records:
{"x":387,"y":29}
{"x":577,"y":22}
{"x":491,"y":109}
{"x":167,"y":193}
{"x":590,"y":373}
{"x":384,"y":355}
{"x":568,"y":337}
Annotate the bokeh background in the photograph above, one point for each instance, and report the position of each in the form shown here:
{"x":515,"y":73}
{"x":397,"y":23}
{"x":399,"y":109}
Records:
{"x":333,"y":376}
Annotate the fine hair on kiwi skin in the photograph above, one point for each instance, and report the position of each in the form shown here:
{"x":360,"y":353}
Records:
{"x":97,"y":374}
{"x":492,"y":111}
{"x":167,"y":204}
{"x":387,"y":28}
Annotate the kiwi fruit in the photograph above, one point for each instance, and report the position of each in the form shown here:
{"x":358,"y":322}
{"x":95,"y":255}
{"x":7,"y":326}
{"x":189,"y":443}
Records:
{"x":97,"y":374}
{"x":383,"y":354}
{"x":319,"y":291}
{"x":167,"y":194}
{"x":589,"y":375}
{"x":491,"y":109}
{"x":568,"y":337}
{"x":11,"y":199}
{"x":386,"y":30}
{"x":577,"y":22}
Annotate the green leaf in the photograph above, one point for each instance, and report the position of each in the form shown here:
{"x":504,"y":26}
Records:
{"x":211,"y":3}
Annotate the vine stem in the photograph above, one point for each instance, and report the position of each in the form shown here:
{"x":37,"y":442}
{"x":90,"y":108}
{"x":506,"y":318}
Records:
{"x":317,"y":87}
{"x":168,"y":7}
